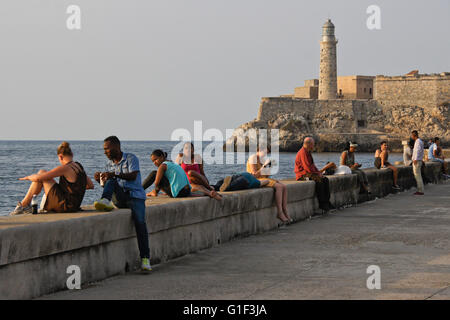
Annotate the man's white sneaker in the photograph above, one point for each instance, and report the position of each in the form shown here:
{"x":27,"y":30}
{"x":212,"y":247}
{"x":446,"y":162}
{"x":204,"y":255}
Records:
{"x":103,"y":205}
{"x":145,"y":265}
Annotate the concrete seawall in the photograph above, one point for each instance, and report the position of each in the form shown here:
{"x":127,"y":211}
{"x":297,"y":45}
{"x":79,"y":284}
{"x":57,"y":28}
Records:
{"x":35,"y":251}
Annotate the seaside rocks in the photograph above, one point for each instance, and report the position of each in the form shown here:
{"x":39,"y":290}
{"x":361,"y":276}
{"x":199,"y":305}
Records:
{"x":333,"y":129}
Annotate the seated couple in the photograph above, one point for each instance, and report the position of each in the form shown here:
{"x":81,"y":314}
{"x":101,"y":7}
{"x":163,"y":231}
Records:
{"x":183,"y":178}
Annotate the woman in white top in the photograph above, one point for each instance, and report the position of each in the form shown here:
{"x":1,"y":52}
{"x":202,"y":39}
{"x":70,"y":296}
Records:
{"x":259,"y":167}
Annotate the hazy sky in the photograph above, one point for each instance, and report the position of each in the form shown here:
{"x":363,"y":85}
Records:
{"x":141,"y":68}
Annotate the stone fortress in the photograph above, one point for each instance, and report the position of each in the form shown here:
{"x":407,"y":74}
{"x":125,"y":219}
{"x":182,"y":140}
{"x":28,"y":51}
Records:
{"x":365,"y":109}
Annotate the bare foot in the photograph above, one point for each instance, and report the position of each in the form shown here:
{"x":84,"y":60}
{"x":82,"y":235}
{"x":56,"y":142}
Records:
{"x":288,"y":216}
{"x":215,"y":195}
{"x":282,"y":217}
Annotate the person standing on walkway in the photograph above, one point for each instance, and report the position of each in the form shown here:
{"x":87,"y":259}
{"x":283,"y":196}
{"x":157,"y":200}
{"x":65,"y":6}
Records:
{"x":122,"y":178}
{"x":305,"y":169}
{"x":417,"y":159}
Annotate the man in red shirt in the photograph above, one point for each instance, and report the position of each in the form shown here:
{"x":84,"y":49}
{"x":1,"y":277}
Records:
{"x":305,"y":168}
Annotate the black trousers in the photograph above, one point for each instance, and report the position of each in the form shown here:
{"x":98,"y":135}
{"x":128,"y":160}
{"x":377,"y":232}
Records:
{"x":323,"y":192}
{"x":322,"y":189}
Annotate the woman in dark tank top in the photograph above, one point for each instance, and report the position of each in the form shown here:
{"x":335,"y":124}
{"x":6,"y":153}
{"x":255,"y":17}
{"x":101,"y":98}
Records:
{"x":65,"y":196}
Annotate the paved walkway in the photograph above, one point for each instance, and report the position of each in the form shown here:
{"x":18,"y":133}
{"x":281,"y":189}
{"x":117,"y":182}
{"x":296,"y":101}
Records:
{"x":326,"y":257}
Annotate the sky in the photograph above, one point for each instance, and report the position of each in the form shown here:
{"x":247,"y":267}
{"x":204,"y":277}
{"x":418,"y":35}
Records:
{"x":140,"y":69}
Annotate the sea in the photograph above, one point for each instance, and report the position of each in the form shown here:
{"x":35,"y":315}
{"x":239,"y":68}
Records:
{"x":21,"y":158}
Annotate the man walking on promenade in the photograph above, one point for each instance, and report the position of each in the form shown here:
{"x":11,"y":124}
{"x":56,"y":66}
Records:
{"x":122,"y":178}
{"x":417,"y":158}
{"x":305,"y":168}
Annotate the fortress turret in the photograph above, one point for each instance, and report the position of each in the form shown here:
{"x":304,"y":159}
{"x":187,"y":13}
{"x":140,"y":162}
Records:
{"x":328,"y":67}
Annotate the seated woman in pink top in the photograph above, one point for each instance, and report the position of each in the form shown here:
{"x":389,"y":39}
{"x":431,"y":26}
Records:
{"x":192,"y":164}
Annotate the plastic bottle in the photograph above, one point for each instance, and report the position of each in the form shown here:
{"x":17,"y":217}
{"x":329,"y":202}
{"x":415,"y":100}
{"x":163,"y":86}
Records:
{"x":34,"y":204}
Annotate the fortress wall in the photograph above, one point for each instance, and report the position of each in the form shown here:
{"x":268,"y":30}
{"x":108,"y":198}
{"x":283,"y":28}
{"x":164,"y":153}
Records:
{"x":272,"y":107}
{"x":35,"y":251}
{"x":338,"y":115}
{"x":426,"y":91}
{"x":443,"y":90}
{"x":334,"y":116}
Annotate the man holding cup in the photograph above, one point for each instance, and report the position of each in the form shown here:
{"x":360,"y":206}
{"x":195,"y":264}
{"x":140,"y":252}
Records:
{"x":121,"y":183}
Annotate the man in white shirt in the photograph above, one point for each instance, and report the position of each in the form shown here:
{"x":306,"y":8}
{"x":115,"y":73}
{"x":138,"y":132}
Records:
{"x":417,"y":158}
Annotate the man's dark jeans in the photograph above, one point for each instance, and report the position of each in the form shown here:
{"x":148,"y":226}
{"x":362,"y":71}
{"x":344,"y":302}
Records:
{"x":238,"y":182}
{"x":137,"y":206}
{"x":322,"y":189}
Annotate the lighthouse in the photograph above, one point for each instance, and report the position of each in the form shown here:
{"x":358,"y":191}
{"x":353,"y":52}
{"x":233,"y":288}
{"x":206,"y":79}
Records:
{"x":328,"y":67}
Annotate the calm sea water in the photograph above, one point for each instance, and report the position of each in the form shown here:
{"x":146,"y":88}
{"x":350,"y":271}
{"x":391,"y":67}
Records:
{"x":22,"y":158}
